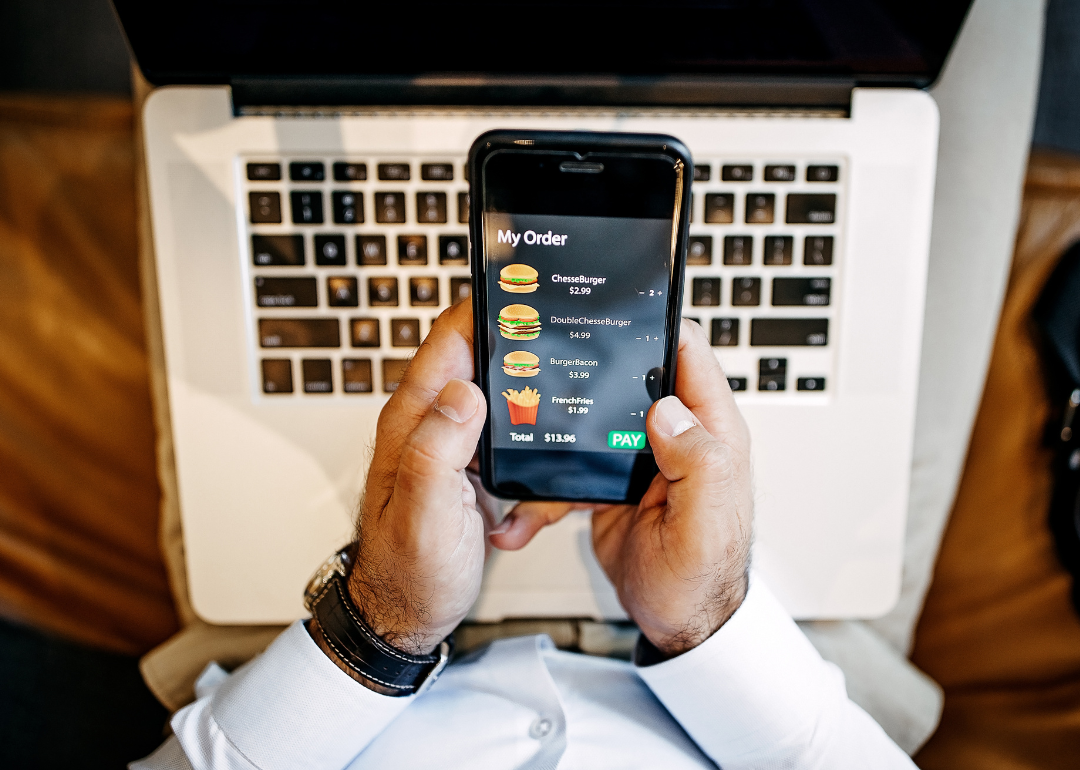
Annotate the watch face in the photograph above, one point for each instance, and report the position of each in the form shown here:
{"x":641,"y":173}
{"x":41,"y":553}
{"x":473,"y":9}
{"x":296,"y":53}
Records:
{"x":335,"y":565}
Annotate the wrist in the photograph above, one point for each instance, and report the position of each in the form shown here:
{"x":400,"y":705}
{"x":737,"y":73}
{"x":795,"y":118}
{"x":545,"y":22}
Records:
{"x":389,"y":615}
{"x":341,"y":632}
{"x":673,"y":640}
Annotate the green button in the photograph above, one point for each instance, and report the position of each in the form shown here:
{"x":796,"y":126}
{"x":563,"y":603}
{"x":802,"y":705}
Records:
{"x":626,"y":439}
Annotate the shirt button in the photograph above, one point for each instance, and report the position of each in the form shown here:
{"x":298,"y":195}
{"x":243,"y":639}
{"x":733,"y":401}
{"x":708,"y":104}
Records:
{"x":539,"y":728}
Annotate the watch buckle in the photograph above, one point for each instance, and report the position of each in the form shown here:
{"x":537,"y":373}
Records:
{"x":444,"y":658}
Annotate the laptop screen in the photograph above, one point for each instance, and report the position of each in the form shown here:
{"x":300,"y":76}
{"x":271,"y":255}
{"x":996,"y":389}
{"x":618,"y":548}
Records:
{"x":866,"y":42}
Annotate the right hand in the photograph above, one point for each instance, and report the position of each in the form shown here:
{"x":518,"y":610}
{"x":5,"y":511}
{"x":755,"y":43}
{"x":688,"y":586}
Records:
{"x":679,"y":559}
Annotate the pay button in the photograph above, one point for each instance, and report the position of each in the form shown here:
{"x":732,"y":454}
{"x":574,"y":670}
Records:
{"x":626,"y":439}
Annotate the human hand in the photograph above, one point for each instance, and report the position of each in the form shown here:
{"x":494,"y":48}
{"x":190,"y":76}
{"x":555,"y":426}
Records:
{"x":679,"y":559}
{"x":421,"y":532}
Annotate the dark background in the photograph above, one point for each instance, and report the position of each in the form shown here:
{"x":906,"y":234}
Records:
{"x":76,"y":46}
{"x":62,"y":46}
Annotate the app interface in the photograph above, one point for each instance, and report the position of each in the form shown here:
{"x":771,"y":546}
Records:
{"x":576,"y":329}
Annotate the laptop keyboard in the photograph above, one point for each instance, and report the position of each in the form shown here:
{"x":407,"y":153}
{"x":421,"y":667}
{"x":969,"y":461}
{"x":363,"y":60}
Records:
{"x":349,"y":261}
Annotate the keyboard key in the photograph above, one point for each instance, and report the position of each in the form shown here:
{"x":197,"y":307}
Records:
{"x":382,"y":292}
{"x":307,"y":172}
{"x":286,"y":292}
{"x":437,"y":172}
{"x":760,"y":208}
{"x":811,"y":208}
{"x":702,"y":172}
{"x":778,"y":250}
{"x":810,"y":383}
{"x":350,"y":172}
{"x":277,"y":250}
{"x":737,"y":173}
{"x":822,"y":174}
{"x":277,"y":375}
{"x":394,"y":172}
{"x":745,"y":292}
{"x":817,"y":250}
{"x":348,"y":207}
{"x":356,"y":375}
{"x":364,"y":332}
{"x":317,"y":375}
{"x":719,"y":208}
{"x":693,"y":205}
{"x":389,"y":207}
{"x":453,"y":250}
{"x":299,"y":333}
{"x":264,"y":172}
{"x":789,"y":332}
{"x":738,"y":249}
{"x":725,"y":332}
{"x":801,"y":291}
{"x":431,"y":208}
{"x":393,"y":369}
{"x":412,"y":250}
{"x":699,"y":250}
{"x":695,"y":319}
{"x":705,"y":292}
{"x":779,"y":173}
{"x":460,"y":289}
{"x":772,"y":374}
{"x":265,"y":208}
{"x":341,"y":291}
{"x":424,"y":292}
{"x":463,"y":208}
{"x":405,"y":332}
{"x":330,"y":250}
{"x":307,"y":207}
{"x":736,"y":383}
{"x":370,"y":250}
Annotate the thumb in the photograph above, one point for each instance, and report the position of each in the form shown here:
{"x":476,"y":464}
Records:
{"x":441,"y":446}
{"x":682,"y":447}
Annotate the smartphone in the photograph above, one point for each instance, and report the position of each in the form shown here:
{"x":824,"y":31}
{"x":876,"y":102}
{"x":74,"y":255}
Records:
{"x":578,"y":246}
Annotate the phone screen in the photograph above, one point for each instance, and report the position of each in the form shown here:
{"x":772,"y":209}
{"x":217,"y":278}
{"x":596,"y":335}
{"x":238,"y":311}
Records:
{"x":579,"y":258}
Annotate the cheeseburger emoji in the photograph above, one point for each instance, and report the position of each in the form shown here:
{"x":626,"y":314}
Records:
{"x":518,"y":279}
{"x":519,"y":322}
{"x":521,"y":363}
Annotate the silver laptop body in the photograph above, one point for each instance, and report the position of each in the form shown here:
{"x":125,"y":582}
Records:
{"x":302,"y":252}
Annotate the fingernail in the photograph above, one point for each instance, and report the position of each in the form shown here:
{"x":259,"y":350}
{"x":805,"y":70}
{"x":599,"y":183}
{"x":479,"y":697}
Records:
{"x":503,"y":526}
{"x":672,"y":417}
{"x":457,"y":401}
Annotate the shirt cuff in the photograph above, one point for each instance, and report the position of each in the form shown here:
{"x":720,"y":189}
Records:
{"x":754,"y":689}
{"x":292,"y":707}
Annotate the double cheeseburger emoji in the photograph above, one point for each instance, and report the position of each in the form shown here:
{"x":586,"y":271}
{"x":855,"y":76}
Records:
{"x":519,"y":322}
{"x":521,"y":363}
{"x":517,"y":279}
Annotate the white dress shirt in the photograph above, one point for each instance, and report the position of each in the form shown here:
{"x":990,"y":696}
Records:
{"x":754,"y":695}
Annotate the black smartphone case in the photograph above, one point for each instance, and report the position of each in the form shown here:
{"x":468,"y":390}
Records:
{"x":583,"y":143}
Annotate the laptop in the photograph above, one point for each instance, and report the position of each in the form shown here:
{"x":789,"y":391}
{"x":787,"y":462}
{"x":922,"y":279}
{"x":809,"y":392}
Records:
{"x":309,"y":201}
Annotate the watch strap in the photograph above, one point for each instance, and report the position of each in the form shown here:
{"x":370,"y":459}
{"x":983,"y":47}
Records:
{"x":360,"y":648}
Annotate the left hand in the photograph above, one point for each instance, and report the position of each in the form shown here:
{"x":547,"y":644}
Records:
{"x":422,"y":521}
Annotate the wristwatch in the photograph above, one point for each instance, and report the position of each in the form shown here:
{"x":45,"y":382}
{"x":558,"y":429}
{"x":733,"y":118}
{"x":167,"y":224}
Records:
{"x":356,"y":644}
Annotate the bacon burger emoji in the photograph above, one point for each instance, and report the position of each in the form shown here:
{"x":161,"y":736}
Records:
{"x":521,"y":363}
{"x":518,"y":279}
{"x":519,"y":322}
